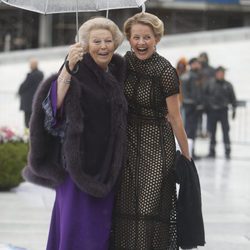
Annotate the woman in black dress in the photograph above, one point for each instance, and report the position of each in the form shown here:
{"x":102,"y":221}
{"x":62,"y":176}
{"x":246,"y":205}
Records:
{"x":145,"y":207}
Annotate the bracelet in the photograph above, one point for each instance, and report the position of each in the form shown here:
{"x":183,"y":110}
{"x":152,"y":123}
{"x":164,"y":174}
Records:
{"x":66,"y":81}
{"x":75,"y":69}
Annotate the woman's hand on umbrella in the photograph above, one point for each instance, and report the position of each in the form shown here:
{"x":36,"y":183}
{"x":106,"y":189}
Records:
{"x":76,"y":52}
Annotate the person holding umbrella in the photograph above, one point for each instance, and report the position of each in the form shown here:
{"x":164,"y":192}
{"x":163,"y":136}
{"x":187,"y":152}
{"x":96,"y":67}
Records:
{"x":77,"y":138}
{"x":145,"y":207}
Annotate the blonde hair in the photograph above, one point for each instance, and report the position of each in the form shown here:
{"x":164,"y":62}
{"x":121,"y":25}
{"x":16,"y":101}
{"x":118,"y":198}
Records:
{"x":146,"y":19}
{"x":100,"y":23}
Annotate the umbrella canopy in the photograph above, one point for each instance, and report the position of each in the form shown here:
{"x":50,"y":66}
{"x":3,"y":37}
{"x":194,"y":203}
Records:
{"x":67,"y":6}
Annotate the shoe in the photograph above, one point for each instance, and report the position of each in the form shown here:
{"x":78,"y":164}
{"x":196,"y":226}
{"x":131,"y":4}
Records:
{"x":204,"y":135}
{"x":211,"y":155}
{"x":228,"y":157}
{"x":196,"y":157}
{"x":212,"y":152}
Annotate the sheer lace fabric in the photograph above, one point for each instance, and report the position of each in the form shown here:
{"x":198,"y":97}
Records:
{"x":145,"y":207}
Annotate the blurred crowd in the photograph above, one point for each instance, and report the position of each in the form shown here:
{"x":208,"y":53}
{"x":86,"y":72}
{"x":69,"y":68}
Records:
{"x":206,"y":96}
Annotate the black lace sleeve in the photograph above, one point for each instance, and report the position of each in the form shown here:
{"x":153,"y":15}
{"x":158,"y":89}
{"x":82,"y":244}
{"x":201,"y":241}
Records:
{"x":170,"y":82}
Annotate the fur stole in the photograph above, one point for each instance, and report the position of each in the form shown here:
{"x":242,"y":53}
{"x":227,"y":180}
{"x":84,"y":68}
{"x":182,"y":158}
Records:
{"x":47,"y":154}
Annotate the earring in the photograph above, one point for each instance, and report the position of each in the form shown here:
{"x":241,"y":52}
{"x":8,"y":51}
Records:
{"x":155,"y":47}
{"x":131,"y":49}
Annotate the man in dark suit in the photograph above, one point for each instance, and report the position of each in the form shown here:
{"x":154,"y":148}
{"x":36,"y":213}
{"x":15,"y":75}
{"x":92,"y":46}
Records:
{"x":28,"y":88}
{"x":219,"y":95}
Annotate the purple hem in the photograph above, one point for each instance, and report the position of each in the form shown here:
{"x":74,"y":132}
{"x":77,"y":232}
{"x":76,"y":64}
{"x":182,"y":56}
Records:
{"x":80,"y":221}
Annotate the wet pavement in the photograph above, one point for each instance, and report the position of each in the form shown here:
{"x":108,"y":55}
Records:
{"x":226,"y":199}
{"x":25,"y":211}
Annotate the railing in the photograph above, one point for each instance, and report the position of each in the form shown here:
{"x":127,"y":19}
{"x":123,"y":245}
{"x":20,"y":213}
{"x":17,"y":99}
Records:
{"x":240,"y":132}
{"x":10,"y":115}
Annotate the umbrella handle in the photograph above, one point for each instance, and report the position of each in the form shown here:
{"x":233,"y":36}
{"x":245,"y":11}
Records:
{"x":143,"y":6}
{"x":77,"y":22}
{"x":107,"y":10}
{"x":75,"y":69}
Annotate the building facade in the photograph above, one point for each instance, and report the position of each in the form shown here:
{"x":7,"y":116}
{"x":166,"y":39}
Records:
{"x":21,"y":29}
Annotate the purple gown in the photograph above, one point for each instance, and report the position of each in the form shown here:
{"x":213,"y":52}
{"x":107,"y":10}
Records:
{"x":79,"y":221}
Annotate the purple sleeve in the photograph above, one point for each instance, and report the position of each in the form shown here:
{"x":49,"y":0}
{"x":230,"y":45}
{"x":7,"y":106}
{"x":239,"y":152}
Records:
{"x":53,"y":121}
{"x":53,"y":98}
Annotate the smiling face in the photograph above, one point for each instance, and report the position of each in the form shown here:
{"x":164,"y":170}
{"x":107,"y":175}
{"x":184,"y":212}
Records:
{"x":101,"y":47}
{"x":142,"y":41}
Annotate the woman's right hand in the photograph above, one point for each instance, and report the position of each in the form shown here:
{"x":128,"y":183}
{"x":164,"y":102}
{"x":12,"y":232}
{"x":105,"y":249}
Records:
{"x":76,"y":52}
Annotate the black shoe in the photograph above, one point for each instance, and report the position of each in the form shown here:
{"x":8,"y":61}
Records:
{"x":196,"y":157}
{"x":228,"y":157}
{"x":211,"y":155}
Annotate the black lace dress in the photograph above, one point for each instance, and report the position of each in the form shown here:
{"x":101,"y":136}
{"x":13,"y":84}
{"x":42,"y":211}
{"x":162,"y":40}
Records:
{"x":145,"y":209}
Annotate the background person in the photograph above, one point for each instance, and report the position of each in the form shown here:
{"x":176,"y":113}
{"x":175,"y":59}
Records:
{"x":219,"y":95}
{"x":28,"y":88}
{"x":193,"y":100}
{"x":181,"y":69}
{"x":145,"y":207}
{"x":78,"y":138}
{"x":207,"y":74}
{"x":207,"y":70}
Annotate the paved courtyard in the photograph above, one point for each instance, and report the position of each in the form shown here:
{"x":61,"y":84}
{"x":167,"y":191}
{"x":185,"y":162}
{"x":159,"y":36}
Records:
{"x":25,"y":210}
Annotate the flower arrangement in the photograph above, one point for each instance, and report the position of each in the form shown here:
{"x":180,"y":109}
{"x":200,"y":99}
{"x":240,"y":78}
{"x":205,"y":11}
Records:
{"x":10,"y":135}
{"x":13,"y":157}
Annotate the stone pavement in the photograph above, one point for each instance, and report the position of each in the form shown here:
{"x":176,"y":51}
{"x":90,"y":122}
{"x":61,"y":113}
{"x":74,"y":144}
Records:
{"x":25,"y":211}
{"x":24,"y":217}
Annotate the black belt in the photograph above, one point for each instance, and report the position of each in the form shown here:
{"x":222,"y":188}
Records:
{"x":142,"y":118}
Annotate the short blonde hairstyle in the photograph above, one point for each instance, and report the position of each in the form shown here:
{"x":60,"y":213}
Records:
{"x":146,"y":19}
{"x":100,"y":23}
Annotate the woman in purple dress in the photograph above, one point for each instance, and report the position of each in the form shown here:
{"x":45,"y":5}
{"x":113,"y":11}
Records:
{"x":77,"y":138}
